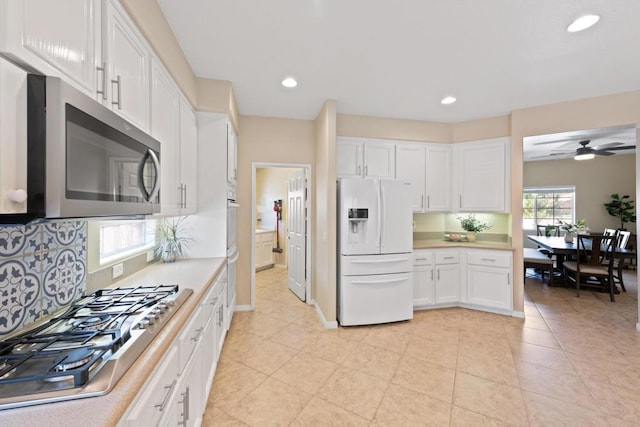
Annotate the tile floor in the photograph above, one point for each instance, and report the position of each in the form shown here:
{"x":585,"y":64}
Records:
{"x":573,"y":361}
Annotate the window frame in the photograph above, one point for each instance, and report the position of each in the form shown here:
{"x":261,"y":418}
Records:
{"x":545,"y":190}
{"x":94,"y":245}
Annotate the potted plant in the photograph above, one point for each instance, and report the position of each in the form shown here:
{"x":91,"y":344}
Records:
{"x":172,"y":241}
{"x":570,"y":230}
{"x":472,"y":226}
{"x":622,"y":208}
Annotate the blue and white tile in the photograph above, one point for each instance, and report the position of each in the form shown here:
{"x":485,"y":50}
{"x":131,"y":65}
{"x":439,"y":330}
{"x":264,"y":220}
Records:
{"x":19,"y":240}
{"x":19,"y":295}
{"x":64,"y":234}
{"x":64,"y":278}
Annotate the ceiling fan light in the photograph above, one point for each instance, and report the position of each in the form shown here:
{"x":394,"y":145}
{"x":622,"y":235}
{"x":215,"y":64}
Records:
{"x":585,"y":156}
{"x":582,"y":23}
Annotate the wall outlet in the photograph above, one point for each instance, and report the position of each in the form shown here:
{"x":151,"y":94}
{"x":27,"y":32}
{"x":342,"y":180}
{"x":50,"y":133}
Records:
{"x":150,"y":256}
{"x":117,"y":270}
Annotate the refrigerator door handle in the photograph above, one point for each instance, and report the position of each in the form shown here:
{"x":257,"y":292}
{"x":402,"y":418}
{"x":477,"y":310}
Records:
{"x":381,"y":216}
{"x":378,"y":282}
{"x":380,"y":261}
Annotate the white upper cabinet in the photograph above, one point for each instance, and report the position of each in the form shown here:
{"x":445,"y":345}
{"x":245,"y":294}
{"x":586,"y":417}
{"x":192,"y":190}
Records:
{"x":59,"y":38}
{"x":127,"y":59}
{"x":410,"y":166}
{"x":188,"y":158}
{"x":165,"y":127}
{"x":482,"y":176}
{"x":438,"y":178}
{"x":232,"y":155}
{"x":365,"y":159}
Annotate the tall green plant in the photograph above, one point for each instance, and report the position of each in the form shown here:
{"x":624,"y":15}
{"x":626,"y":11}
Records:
{"x":622,"y":208}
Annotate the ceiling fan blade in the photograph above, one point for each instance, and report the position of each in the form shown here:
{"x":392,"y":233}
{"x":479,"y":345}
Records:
{"x":553,"y":154}
{"x":607,"y":146}
{"x":562,"y":151}
{"x":557,"y":141}
{"x":602,"y":153}
{"x":626,"y":147}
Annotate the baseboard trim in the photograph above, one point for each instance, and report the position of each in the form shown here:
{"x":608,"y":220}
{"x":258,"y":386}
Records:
{"x":243,"y":308}
{"x":518,"y":314}
{"x":638,"y":326}
{"x":325,"y":323}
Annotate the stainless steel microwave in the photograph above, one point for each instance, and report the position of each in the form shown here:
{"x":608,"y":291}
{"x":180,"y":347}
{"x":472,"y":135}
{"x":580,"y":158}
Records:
{"x":83,"y":159}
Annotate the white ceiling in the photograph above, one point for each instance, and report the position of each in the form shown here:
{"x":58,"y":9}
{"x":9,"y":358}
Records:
{"x":398,"y":58}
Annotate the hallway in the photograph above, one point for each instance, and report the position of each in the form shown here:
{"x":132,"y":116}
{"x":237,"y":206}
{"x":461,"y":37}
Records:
{"x":573,"y":361}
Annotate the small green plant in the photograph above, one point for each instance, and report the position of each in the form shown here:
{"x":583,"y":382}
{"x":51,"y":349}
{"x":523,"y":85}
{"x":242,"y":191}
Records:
{"x":579,"y":227}
{"x":172,"y":240}
{"x":622,"y":208}
{"x":472,"y":224}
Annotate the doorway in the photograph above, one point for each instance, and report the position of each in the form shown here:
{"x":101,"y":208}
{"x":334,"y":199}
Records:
{"x":280,"y":215}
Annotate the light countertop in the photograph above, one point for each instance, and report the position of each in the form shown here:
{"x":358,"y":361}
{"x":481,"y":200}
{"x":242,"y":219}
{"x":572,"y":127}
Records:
{"x":478,"y":244}
{"x":107,"y":410}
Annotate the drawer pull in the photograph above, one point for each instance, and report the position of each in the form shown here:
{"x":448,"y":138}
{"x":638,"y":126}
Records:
{"x":380,"y":261}
{"x":488,"y":260}
{"x":169,"y":389}
{"x":421,"y":259}
{"x":449,"y":257}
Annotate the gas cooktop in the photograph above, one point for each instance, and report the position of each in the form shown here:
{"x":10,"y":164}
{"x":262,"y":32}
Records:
{"x":86,"y":350}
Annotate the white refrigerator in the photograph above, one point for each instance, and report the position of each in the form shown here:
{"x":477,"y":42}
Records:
{"x":375,"y":242}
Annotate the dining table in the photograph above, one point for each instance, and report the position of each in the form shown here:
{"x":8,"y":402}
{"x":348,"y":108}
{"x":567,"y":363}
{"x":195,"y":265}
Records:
{"x":561,"y":249}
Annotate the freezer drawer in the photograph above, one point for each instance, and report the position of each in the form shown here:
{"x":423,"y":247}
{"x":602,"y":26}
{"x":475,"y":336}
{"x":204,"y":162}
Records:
{"x":375,"y":264}
{"x":367,"y":300}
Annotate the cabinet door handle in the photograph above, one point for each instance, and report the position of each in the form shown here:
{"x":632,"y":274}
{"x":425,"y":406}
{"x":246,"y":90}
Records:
{"x":421,"y":259}
{"x":185,"y":407}
{"x":117,"y":103}
{"x":366,"y":170}
{"x":488,"y":260}
{"x":449,"y":257}
{"x":438,"y":274}
{"x":103,"y":90}
{"x":197,"y":335}
{"x":185,"y":196}
{"x":180,"y":196}
{"x":422,"y":201}
{"x":359,"y":169}
{"x":169,"y":389}
{"x":460,"y":200}
{"x":428,"y":202}
{"x":431,"y":274}
{"x":508,"y":279}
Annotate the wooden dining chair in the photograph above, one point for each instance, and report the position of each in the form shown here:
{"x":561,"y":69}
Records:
{"x":619,"y":262}
{"x":547,"y":230}
{"x":593,"y":263}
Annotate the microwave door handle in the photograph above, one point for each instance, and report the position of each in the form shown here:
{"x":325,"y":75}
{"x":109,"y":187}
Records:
{"x":145,"y":194}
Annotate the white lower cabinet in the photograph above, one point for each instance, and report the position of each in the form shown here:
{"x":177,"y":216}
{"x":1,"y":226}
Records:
{"x":447,"y":276}
{"x":176,"y":392}
{"x":474,"y":278}
{"x":489,"y":279}
{"x":264,"y":249}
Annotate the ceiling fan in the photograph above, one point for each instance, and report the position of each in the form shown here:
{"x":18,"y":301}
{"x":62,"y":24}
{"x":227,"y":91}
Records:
{"x":584,"y":152}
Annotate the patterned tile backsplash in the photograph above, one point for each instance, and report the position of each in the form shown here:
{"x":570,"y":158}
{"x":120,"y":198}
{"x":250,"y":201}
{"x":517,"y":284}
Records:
{"x":42,"y":269}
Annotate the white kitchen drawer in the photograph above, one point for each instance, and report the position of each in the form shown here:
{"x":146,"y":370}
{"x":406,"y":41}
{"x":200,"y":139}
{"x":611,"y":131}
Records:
{"x":189,"y":337}
{"x":375,"y":264}
{"x":209,"y":301}
{"x":447,"y":257}
{"x":489,"y":258}
{"x":422,"y":258}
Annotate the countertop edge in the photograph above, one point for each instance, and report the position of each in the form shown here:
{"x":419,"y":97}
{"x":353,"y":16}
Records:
{"x":443,"y":244}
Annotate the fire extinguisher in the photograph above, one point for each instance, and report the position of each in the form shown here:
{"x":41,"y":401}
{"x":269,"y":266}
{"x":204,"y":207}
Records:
{"x":277,"y":208}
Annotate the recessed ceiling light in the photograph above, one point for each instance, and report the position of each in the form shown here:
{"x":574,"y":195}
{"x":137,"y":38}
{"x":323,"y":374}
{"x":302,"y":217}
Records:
{"x":448,"y":100}
{"x":583,"y":23}
{"x":289,"y":82}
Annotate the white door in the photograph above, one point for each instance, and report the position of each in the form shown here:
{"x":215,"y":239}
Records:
{"x":396,"y":229}
{"x":296,"y":235}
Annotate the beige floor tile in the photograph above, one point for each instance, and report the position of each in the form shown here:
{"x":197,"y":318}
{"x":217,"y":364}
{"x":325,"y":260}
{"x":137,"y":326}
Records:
{"x":268,"y":357}
{"x":481,"y":322}
{"x":217,"y":417}
{"x":424,"y":377}
{"x":567,"y":387}
{"x":404,"y":407}
{"x":262,"y":325}
{"x":461,"y":417}
{"x":390,"y":338}
{"x":545,"y":411}
{"x":489,"y":398}
{"x":542,"y":356}
{"x":319,"y":412}
{"x":354,"y":391}
{"x":306,"y":372}
{"x":294,"y":336}
{"x":617,"y":402}
{"x":352,"y":333}
{"x":233,"y":381}
{"x":273,"y":403}
{"x":372,"y":360}
{"x":498,"y":368}
{"x":532,"y":336}
{"x":330,"y":347}
{"x":438,"y":352}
